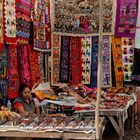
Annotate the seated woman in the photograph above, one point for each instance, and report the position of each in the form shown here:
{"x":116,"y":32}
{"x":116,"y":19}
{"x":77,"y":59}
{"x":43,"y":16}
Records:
{"x":24,"y":103}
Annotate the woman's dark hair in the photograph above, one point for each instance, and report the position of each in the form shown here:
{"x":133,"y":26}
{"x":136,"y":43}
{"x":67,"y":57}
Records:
{"x":21,"y":89}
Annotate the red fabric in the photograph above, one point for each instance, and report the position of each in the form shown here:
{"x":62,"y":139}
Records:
{"x":13,"y":73}
{"x":16,"y":105}
{"x":34,"y":67}
{"x":24,"y":65}
{"x":76,"y":60}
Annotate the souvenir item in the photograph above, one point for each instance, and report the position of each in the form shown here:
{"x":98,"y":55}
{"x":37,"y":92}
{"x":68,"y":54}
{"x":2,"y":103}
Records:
{"x":117,"y":59}
{"x":10,"y":21}
{"x":40,"y":63}
{"x":86,"y":59}
{"x":56,"y":46}
{"x":76,"y":60}
{"x":3,"y":62}
{"x":109,"y":13}
{"x":106,"y":61}
{"x":23,"y":20}
{"x":65,"y":59}
{"x":34,"y":67}
{"x":94,"y":61}
{"x":126,"y":18}
{"x":24,"y":65}
{"x":81,"y":17}
{"x":3,"y":72}
{"x":48,"y":25}
{"x":137,"y":35}
{"x":13,"y":73}
{"x":41,"y":21}
{"x":136,"y":64}
{"x":128,"y":53}
{"x":1,"y":22}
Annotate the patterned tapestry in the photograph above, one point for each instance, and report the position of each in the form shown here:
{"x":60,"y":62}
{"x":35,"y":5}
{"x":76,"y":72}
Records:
{"x":65,"y":59}
{"x":86,"y":59}
{"x":48,"y":25}
{"x":56,"y":46}
{"x":106,"y":62}
{"x":3,"y":72}
{"x":3,"y":62}
{"x":109,"y":13}
{"x":94,"y":61}
{"x":76,"y":60}
{"x":10,"y":21}
{"x":80,"y":17}
{"x":128,"y":54}
{"x":41,"y":20}
{"x":34,"y":67}
{"x":1,"y":22}
{"x":13,"y":73}
{"x":23,"y":15}
{"x":126,"y":18}
{"x":24,"y":66}
{"x":117,"y":59}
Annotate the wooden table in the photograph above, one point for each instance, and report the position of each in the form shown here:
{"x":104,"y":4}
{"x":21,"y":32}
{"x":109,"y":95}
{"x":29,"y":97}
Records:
{"x":116,"y":116}
{"x":12,"y":132}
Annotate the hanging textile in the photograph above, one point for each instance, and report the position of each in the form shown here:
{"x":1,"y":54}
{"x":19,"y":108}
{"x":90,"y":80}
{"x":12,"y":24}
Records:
{"x":126,"y":18}
{"x":41,"y":20}
{"x":23,"y":15}
{"x":137,"y":35}
{"x":40,"y":63}
{"x":76,"y":60}
{"x":24,"y":66}
{"x":48,"y":25}
{"x":86,"y":59}
{"x":128,"y":54}
{"x":56,"y":45}
{"x":10,"y":21}
{"x":3,"y":62}
{"x":13,"y":73}
{"x":81,"y":17}
{"x":3,"y":72}
{"x":65,"y":59}
{"x":117,"y":59}
{"x":136,"y":65}
{"x":34,"y":67}
{"x":1,"y":23}
{"x":94,"y":61}
{"x":106,"y":61}
{"x":67,"y":20}
{"x":109,"y":13}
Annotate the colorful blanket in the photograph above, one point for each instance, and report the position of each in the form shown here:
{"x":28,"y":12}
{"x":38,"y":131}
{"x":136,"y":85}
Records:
{"x":41,"y":20}
{"x":3,"y":72}
{"x":80,"y":17}
{"x":86,"y":59}
{"x":117,"y":59}
{"x":76,"y":60}
{"x":56,"y":46}
{"x":34,"y":67}
{"x":106,"y":61}
{"x":24,"y":66}
{"x":126,"y":18}
{"x":128,"y":54}
{"x":65,"y":59}
{"x":13,"y":73}
{"x":10,"y":21}
{"x":23,"y":19}
{"x":1,"y":22}
{"x":94,"y":61}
